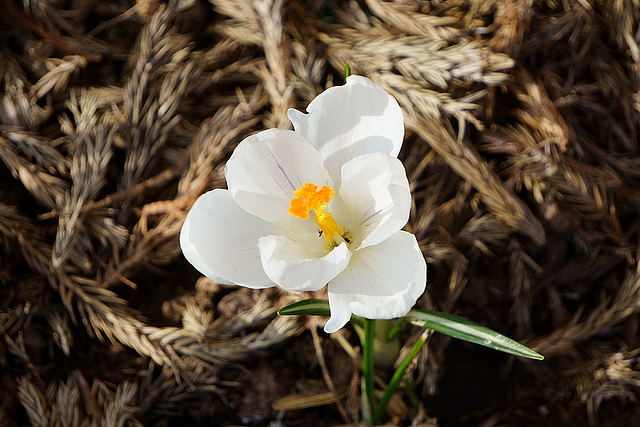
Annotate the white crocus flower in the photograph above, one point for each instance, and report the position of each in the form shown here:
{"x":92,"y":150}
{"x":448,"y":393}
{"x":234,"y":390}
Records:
{"x":324,"y":204}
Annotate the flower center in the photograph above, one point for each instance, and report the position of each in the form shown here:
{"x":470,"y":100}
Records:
{"x":308,"y":198}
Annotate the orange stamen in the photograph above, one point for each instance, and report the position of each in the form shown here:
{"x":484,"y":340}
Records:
{"x":308,"y":198}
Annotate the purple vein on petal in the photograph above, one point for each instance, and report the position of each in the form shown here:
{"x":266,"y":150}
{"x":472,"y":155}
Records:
{"x":281,"y":170}
{"x":375,"y":213}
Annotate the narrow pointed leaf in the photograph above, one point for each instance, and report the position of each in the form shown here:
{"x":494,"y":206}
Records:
{"x":463,"y":329}
{"x":347,"y":71}
{"x":313,"y":307}
{"x":309,"y":307}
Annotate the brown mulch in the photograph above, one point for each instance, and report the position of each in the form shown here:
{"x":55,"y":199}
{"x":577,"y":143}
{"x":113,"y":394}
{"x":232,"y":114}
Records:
{"x":522,"y":152}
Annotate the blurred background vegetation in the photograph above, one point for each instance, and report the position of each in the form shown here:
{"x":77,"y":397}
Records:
{"x":522,"y":152}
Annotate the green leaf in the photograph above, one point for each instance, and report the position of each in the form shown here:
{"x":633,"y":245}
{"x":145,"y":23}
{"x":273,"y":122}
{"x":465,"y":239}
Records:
{"x":347,"y":71}
{"x":309,"y":307}
{"x":463,"y":329}
{"x":313,"y":307}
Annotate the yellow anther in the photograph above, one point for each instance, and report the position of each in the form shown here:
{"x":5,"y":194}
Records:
{"x":328,"y":225}
{"x":308,"y":198}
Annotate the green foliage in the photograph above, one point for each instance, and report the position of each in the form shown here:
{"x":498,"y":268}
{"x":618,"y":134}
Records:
{"x":463,"y":329}
{"x":448,"y":324}
{"x":309,"y":307}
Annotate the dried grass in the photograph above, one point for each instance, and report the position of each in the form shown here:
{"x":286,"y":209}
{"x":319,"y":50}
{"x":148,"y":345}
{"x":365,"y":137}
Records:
{"x":522,"y":152}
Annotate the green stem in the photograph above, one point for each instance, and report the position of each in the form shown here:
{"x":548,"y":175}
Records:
{"x":411,"y":394}
{"x":398,"y":375}
{"x":368,"y":362}
{"x":395,"y":329}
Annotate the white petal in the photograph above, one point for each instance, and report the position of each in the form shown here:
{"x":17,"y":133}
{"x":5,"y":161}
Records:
{"x":221,"y":241}
{"x":347,"y":121}
{"x":381,"y":282}
{"x":266,"y":168}
{"x":296,"y":267}
{"x":375,"y":192}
